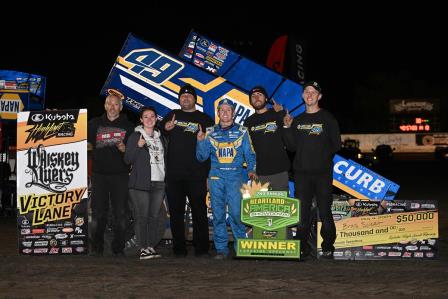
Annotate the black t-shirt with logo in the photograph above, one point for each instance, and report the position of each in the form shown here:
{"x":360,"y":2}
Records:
{"x":266,"y":133}
{"x":315,"y":138}
{"x":181,"y":154}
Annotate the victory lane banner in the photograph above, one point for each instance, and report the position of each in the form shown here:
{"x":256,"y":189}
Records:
{"x":398,"y":229}
{"x":269,"y":213}
{"x":52,"y":182}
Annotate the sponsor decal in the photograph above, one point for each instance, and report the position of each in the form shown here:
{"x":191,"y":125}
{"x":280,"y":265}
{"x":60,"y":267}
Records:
{"x":54,"y":250}
{"x":430,"y":254}
{"x":77,"y":242}
{"x":360,"y":181}
{"x":67,"y":250}
{"x":425,"y":248}
{"x":53,"y":230}
{"x":53,"y":243}
{"x":41,"y":243}
{"x":407,"y":254}
{"x":428,"y":206}
{"x":133,"y":103}
{"x":418,"y":254}
{"x":25,"y":231}
{"x":27,"y":250}
{"x":38,"y":231}
{"x":61,"y":236}
{"x":67,"y":229}
{"x":394,"y":254}
{"x":40,"y":250}
{"x":79,"y":221}
{"x":411,"y":248}
{"x":51,"y":171}
{"x":80,"y":249}
{"x":78,"y":230}
{"x":27,"y":243}
{"x":381,"y":253}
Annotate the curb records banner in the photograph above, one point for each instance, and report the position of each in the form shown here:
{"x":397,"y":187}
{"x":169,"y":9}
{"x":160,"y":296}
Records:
{"x":371,"y":230}
{"x":52,"y":182}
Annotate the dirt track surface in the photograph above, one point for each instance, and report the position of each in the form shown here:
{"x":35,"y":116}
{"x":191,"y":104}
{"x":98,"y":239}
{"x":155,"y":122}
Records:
{"x":170,"y":277}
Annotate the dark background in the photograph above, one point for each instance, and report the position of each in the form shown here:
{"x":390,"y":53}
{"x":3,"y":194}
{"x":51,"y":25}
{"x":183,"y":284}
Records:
{"x":362,"y":56}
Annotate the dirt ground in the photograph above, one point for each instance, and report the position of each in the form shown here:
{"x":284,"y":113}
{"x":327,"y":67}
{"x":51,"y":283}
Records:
{"x":170,"y":277}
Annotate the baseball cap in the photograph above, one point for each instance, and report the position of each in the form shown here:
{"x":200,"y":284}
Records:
{"x":258,"y":89}
{"x":187,"y":88}
{"x":314,"y":84}
{"x":226,"y":102}
{"x":116,"y":92}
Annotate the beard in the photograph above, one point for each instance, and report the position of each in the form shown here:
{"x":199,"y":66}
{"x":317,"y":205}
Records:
{"x":258,"y":106}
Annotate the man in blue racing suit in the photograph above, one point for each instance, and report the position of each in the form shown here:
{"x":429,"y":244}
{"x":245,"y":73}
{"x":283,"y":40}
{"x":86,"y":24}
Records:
{"x":229,"y":146}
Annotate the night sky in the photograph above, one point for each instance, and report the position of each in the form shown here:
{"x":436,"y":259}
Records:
{"x":362,"y":59}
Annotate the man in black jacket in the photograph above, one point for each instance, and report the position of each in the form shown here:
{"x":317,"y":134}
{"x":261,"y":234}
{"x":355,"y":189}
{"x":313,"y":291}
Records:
{"x":107,"y":135}
{"x":314,"y":136}
{"x":185,"y":175}
{"x":265,"y":128}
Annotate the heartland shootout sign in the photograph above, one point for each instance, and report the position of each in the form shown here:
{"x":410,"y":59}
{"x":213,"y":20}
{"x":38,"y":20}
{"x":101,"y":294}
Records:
{"x":269,"y":213}
{"x":52,"y":182}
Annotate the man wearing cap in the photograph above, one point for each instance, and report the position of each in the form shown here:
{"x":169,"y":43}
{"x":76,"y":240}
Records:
{"x":107,"y":136}
{"x":315,"y":138}
{"x":265,"y":127}
{"x":185,"y":175}
{"x":228,"y":145}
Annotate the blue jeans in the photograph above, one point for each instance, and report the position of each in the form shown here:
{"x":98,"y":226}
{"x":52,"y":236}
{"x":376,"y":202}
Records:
{"x":146,"y":206}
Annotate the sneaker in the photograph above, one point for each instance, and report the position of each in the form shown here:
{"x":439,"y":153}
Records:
{"x":328,"y":255}
{"x":153,"y":252}
{"x":145,"y":254}
{"x":220,"y":256}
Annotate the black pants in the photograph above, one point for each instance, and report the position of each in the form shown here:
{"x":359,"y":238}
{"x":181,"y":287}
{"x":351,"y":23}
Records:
{"x":196,"y":191}
{"x":319,"y":185}
{"x":115,"y":188}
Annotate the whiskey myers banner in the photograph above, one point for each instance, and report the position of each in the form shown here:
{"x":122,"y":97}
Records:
{"x":52,"y":182}
{"x":269,"y":213}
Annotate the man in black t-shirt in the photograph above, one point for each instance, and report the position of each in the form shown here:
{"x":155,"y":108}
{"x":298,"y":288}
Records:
{"x":185,"y":175}
{"x":314,"y":137}
{"x":265,"y":127}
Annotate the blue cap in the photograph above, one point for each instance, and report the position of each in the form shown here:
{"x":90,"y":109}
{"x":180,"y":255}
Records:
{"x":226,"y":102}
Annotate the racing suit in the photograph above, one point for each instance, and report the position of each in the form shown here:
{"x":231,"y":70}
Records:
{"x":228,"y":148}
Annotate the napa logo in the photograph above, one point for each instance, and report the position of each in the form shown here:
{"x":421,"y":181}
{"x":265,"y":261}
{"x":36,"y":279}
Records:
{"x":226,"y":152}
{"x":243,"y":109}
{"x":10,"y":105}
{"x":150,"y":65}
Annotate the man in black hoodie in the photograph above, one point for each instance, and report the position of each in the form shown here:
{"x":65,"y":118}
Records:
{"x":314,"y":136}
{"x":107,"y":135}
